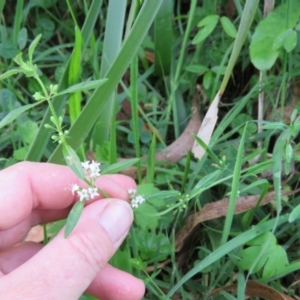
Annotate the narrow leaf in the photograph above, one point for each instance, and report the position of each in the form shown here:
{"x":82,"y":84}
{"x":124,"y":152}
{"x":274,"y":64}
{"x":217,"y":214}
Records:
{"x":119,"y":166}
{"x":10,"y":73}
{"x":228,"y":27}
{"x":73,"y":217}
{"x":15,"y":113}
{"x":73,"y":160}
{"x":295,"y":214}
{"x":33,"y":46}
{"x":205,"y":31}
{"x":83,"y":86}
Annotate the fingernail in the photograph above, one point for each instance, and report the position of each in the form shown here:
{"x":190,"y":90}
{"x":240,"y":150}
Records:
{"x":116,"y":219}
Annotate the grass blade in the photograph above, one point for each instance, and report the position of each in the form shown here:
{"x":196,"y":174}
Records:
{"x":94,"y":107}
{"x":37,"y":148}
{"x":227,"y":248}
{"x":234,"y":189}
{"x":114,"y":28}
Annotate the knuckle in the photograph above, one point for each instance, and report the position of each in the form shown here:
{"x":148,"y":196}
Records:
{"x":91,"y":252}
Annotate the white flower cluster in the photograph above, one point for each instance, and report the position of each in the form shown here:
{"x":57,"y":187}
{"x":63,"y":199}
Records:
{"x":92,"y":169}
{"x":135,"y":200}
{"x":93,"y":172}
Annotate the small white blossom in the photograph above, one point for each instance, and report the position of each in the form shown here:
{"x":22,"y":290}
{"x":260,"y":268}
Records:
{"x":135,"y":202}
{"x":93,"y":191}
{"x":92,"y":168}
{"x":74,"y":188}
{"x":131,"y":193}
{"x":86,"y":165}
{"x":83,"y":194}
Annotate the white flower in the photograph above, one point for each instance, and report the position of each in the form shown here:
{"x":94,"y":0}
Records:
{"x":140,"y":199}
{"x":135,"y":202}
{"x":74,"y":188}
{"x":92,"y":168}
{"x":86,"y":165}
{"x":93,"y":191}
{"x":83,"y":194}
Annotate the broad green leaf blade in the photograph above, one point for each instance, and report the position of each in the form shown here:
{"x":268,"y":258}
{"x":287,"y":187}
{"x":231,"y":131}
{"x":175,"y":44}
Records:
{"x":277,"y":261}
{"x":73,"y":161}
{"x":163,"y":38}
{"x":145,"y":216}
{"x":83,"y":86}
{"x":263,"y":54}
{"x":10,"y":73}
{"x":11,"y":116}
{"x":290,"y":41}
{"x":95,"y":105}
{"x":33,"y":46}
{"x":119,"y":166}
{"x":73,"y":217}
{"x":228,"y":27}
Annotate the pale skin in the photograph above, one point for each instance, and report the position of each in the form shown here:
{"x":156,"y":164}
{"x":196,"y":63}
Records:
{"x":35,"y":193}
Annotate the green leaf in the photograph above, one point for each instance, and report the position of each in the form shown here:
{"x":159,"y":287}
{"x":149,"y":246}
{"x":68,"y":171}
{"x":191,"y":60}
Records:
{"x":197,"y":69}
{"x":290,"y":41}
{"x":277,"y":261}
{"x":8,"y":50}
{"x":73,"y":161}
{"x":263,"y":53}
{"x":205,"y":183}
{"x":119,"y":166}
{"x":208,"y":20}
{"x":289,"y":152}
{"x":295,"y":214}
{"x":27,"y":131}
{"x":228,"y":27}
{"x":249,"y":255}
{"x":15,"y":113}
{"x":145,"y":216}
{"x":10,"y":73}
{"x":33,"y":46}
{"x":151,"y":244}
{"x":164,"y":38}
{"x":207,"y":79}
{"x":45,"y":26}
{"x":209,"y":24}
{"x":83,"y":86}
{"x":73,"y":217}
{"x":22,"y":38}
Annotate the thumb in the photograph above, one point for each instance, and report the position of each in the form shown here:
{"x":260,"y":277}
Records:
{"x":65,"y":267}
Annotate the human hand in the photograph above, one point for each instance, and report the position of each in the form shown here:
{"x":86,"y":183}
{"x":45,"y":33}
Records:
{"x":34,"y":193}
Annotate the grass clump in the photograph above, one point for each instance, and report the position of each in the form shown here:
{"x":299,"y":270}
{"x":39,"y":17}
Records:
{"x":132,"y":83}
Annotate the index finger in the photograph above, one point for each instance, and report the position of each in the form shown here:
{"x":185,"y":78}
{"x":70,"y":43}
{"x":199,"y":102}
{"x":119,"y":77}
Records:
{"x":27,"y":186}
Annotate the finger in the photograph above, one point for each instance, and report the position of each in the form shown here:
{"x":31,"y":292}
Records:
{"x":114,"y":284}
{"x":28,"y":186}
{"x":16,"y":256}
{"x":110,"y":283}
{"x":66,"y":267}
